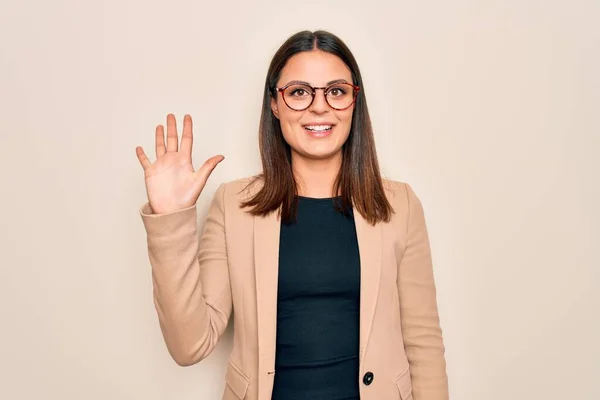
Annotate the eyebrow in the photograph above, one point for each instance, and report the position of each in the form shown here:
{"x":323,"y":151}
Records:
{"x":306,"y":83}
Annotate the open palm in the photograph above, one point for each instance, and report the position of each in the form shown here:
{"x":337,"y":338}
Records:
{"x":171,"y":182}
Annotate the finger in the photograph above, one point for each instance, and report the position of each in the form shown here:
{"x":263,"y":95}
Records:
{"x":141,"y":155}
{"x":187,"y":137}
{"x":171,"y":133}
{"x":207,"y":168}
{"x":160,"y":141}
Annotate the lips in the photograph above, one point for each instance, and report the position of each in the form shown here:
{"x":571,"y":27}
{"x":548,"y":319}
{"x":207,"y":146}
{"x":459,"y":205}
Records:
{"x":319,"y":130}
{"x":318,"y":127}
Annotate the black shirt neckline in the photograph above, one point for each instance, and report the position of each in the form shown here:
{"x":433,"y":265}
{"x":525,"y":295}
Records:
{"x":318,"y":198}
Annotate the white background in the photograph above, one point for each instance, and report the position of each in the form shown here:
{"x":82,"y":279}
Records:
{"x":489,"y":109}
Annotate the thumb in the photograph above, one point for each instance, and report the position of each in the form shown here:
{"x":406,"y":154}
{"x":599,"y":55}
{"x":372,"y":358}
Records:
{"x":207,"y":168}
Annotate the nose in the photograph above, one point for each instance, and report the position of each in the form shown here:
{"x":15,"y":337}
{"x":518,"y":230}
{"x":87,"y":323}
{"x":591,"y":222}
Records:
{"x":319,"y":104}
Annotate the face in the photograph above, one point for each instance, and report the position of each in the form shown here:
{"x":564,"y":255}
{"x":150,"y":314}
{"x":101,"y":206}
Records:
{"x":319,"y":131}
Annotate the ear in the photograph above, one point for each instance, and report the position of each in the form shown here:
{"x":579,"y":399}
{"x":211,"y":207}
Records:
{"x":274,"y":107}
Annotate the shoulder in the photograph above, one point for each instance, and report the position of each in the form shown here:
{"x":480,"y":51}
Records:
{"x":401,"y":196}
{"x":395,"y":190}
{"x":241,"y":188}
{"x":228,"y":195}
{"x":237,"y":190}
{"x":393,"y":186}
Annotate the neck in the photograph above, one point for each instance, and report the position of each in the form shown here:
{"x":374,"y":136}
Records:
{"x":316,"y":177}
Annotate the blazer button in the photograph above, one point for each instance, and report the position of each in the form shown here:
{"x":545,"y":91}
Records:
{"x":368,"y":378}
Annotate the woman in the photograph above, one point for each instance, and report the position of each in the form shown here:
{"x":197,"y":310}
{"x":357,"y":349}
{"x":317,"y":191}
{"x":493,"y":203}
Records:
{"x":326,"y":264}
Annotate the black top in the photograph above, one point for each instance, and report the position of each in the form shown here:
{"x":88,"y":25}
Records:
{"x":318,"y":305}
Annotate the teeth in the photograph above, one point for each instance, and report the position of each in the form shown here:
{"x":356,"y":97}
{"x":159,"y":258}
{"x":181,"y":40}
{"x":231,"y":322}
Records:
{"x":319,"y":128}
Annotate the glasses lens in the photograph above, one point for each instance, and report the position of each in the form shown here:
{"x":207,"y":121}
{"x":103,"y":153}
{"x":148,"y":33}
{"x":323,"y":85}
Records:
{"x":298,"y":97}
{"x":340,"y":95}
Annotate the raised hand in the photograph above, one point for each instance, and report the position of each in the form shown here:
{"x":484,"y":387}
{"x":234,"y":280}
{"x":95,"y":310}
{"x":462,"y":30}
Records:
{"x":171,"y":182}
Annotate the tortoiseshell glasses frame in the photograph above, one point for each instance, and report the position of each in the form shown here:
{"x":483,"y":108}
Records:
{"x":313,"y":92}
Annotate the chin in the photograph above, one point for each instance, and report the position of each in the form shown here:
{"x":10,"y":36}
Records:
{"x":319,"y":154}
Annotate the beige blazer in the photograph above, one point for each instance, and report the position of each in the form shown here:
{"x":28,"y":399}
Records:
{"x":200,"y":280}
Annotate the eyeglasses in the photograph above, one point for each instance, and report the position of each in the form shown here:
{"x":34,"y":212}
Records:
{"x":338,"y":96}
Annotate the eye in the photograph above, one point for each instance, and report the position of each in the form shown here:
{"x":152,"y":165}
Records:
{"x":298,"y":92}
{"x":337,"y":91}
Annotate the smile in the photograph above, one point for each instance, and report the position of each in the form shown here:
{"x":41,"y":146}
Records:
{"x":318,"y":128}
{"x":318,"y":131}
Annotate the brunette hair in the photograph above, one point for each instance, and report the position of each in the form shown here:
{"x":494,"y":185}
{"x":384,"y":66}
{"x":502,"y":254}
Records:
{"x":358,"y":182}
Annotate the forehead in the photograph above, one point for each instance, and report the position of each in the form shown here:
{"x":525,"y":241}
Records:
{"x":315,"y":67}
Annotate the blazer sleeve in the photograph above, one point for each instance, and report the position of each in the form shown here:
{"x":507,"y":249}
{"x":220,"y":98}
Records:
{"x":418,"y":308}
{"x":190,"y":277}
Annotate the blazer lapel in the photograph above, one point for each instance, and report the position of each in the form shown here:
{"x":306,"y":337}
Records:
{"x":266,"y":267}
{"x":369,"y":244}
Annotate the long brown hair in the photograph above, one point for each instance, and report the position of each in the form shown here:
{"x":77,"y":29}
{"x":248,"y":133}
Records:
{"x":358,"y":182}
